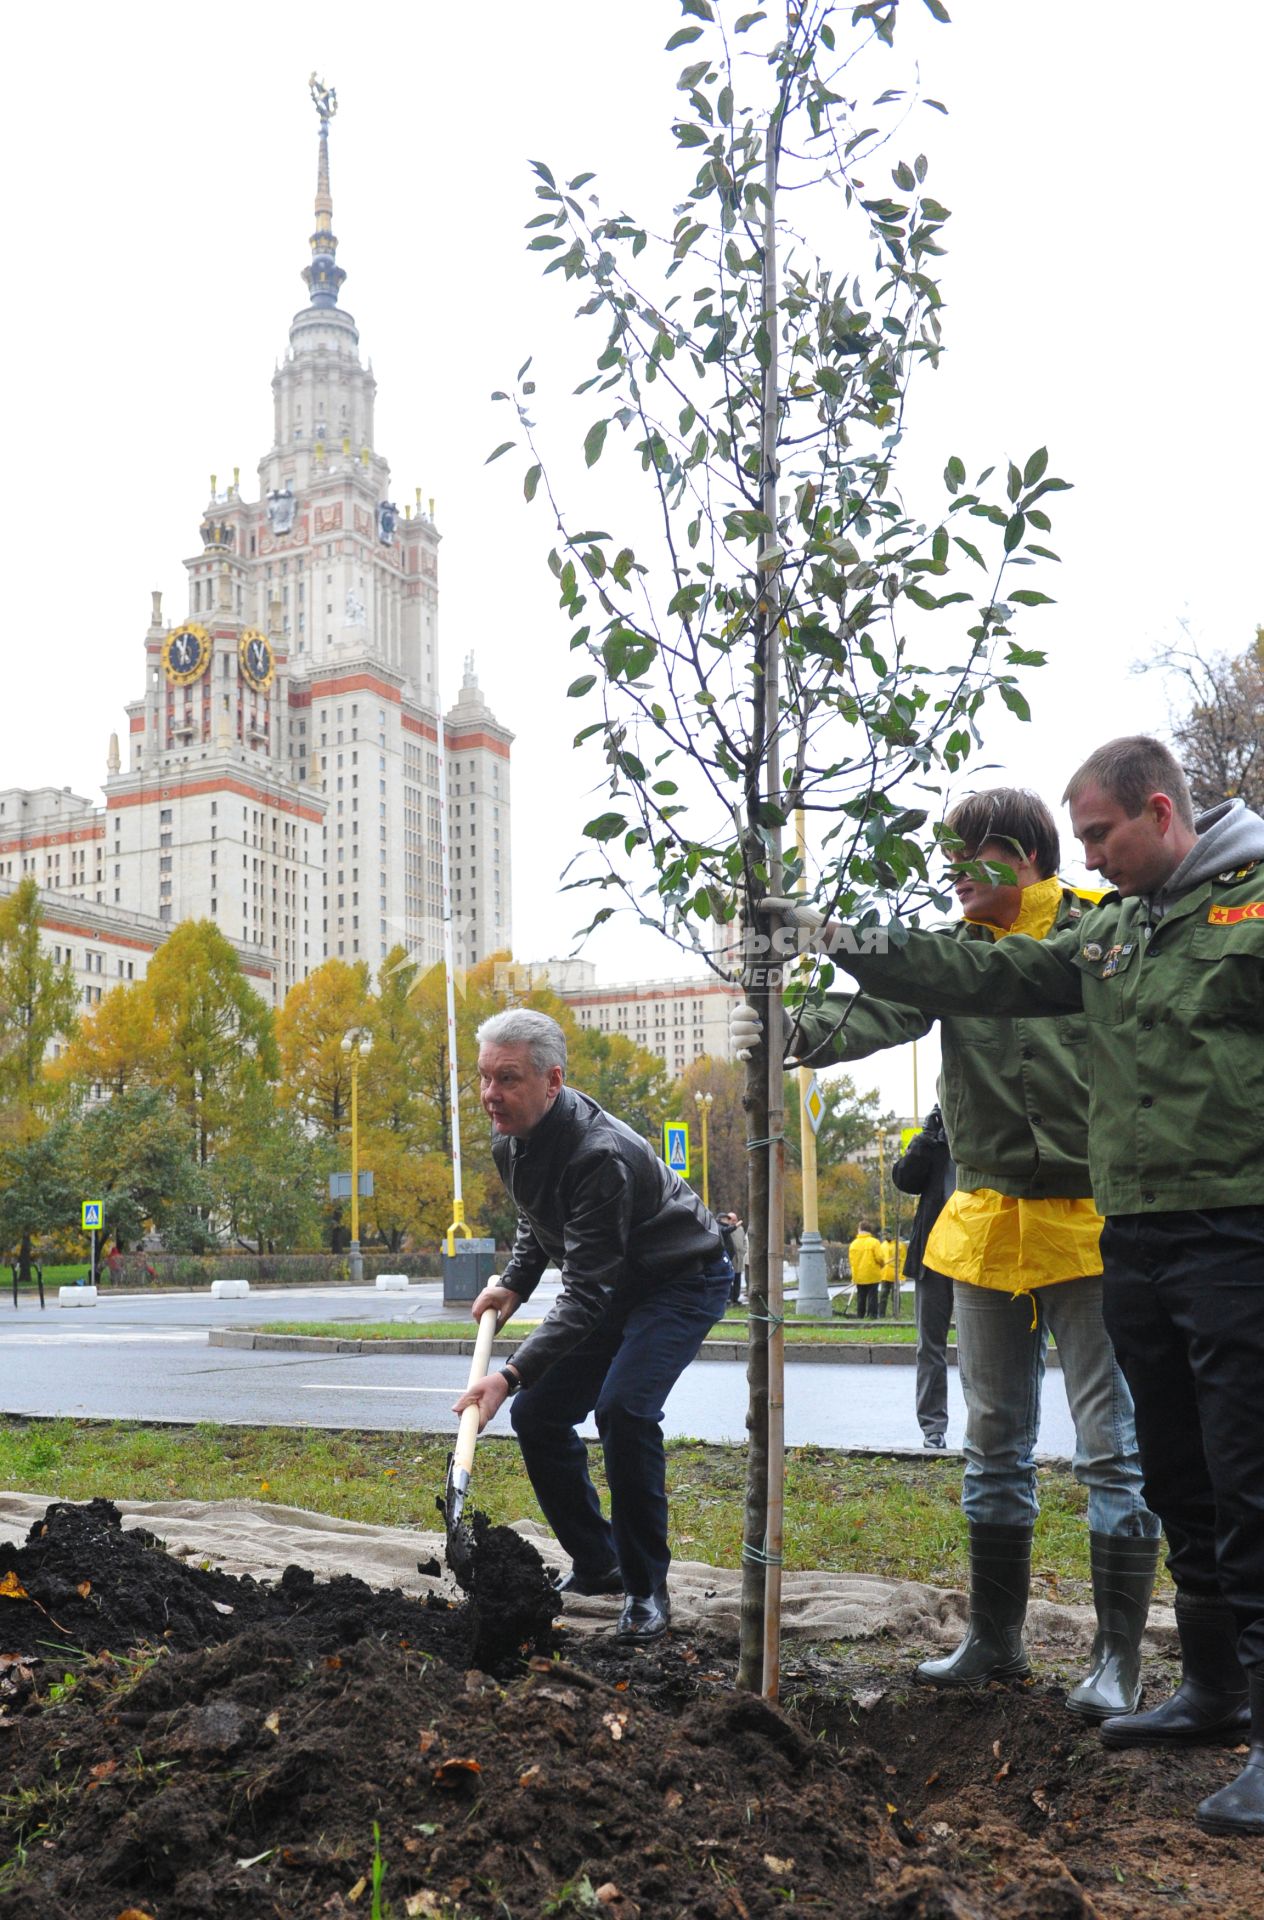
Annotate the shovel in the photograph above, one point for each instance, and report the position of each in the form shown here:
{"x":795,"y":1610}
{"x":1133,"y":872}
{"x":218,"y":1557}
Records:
{"x":461,"y":1459}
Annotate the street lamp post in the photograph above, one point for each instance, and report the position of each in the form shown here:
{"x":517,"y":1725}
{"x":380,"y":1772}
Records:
{"x":703,"y":1102}
{"x":355,"y":1043}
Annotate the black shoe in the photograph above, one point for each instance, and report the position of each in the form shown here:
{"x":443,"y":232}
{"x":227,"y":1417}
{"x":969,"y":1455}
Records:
{"x":936,"y":1442}
{"x":1239,"y":1807}
{"x":1210,"y":1707}
{"x":643,"y":1620}
{"x":611,"y":1581}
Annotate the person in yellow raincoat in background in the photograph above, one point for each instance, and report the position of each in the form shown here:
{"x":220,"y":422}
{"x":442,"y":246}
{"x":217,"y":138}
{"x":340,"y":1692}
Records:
{"x":867,"y":1261}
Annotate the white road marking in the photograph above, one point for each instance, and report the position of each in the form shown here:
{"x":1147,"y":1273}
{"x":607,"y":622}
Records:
{"x":137,"y":1336}
{"x":327,"y":1386}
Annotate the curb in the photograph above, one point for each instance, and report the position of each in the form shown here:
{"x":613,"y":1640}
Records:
{"x":730,"y":1351}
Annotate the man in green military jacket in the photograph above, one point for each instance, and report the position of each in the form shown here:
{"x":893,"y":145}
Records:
{"x":1018,"y":1240}
{"x":1169,"y":971}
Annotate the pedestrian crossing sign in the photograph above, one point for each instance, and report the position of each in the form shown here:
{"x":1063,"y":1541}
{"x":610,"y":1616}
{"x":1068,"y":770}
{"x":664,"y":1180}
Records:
{"x":92,"y":1215}
{"x":676,"y":1146}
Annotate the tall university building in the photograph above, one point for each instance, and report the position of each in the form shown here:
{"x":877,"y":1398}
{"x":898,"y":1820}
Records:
{"x":283,"y":772}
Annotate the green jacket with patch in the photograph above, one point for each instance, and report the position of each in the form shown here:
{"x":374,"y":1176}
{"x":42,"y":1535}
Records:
{"x":1013,"y":1093}
{"x":1175,"y":1016}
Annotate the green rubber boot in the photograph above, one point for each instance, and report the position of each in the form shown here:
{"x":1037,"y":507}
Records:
{"x":1123,"y":1580}
{"x":993,"y":1649}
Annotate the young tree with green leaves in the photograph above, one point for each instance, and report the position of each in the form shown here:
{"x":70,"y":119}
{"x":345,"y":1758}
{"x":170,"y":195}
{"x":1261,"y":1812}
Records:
{"x":774,"y":626}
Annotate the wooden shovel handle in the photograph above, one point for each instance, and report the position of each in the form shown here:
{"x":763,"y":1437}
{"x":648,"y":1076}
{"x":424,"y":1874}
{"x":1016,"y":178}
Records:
{"x":467,"y":1432}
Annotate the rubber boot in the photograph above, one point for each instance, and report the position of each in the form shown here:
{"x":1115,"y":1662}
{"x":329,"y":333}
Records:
{"x":1000,"y":1572}
{"x":1239,"y":1807}
{"x":1123,"y":1580}
{"x":1210,"y":1707}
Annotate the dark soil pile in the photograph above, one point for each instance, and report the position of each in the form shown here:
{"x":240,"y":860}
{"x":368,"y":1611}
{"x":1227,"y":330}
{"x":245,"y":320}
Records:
{"x":177,"y":1743}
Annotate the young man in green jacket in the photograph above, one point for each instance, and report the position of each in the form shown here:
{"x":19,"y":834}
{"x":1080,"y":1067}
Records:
{"x":1019,"y":1240}
{"x":1169,"y":971}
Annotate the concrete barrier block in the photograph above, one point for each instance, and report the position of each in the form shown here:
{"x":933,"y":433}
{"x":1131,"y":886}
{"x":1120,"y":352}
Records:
{"x":229,"y":1289}
{"x":76,"y":1296}
{"x":392,"y":1283}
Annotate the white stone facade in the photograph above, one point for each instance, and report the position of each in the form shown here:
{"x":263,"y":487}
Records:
{"x":283,"y":775}
{"x":679,"y":1020}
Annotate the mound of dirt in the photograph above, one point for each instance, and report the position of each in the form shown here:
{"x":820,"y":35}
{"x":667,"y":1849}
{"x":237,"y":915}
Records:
{"x":178,"y":1743}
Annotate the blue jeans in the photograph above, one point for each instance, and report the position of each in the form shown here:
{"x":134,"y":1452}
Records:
{"x":1001,"y":1362}
{"x":623,"y":1371}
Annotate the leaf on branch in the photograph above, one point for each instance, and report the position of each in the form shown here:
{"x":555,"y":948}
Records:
{"x":504,"y":447}
{"x":531,"y":482}
{"x":701,"y":9}
{"x":954,"y":474}
{"x":578,"y":688}
{"x":544,"y":172}
{"x":594,"y":441}
{"x":938,"y":11}
{"x":1028,"y":597}
{"x":688,"y":135}
{"x":1015,"y":527}
{"x":1015,"y":701}
{"x":1034,"y":470}
{"x":745,"y":21}
{"x":682,"y":38}
{"x":607,"y":825}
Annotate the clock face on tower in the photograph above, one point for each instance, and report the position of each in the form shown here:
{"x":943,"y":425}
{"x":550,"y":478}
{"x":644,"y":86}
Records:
{"x":255,"y":653}
{"x":185,"y":653}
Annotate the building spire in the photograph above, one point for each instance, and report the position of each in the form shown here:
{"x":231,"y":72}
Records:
{"x":324,"y":276}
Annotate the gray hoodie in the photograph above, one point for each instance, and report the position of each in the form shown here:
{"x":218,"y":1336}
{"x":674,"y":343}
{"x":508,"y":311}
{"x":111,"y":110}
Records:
{"x":1229,"y":836}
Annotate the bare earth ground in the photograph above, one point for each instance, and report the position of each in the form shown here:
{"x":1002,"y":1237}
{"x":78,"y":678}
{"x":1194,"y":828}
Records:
{"x":180,"y":1741}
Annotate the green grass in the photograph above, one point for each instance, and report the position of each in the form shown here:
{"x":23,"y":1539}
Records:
{"x":64,"y":1276}
{"x":875,"y":1332}
{"x":899,"y":1518}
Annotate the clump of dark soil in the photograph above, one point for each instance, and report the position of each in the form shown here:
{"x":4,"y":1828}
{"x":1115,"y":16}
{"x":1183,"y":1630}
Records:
{"x":162,"y":1755}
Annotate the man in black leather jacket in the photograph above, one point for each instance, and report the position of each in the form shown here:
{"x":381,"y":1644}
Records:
{"x":644,"y":1276}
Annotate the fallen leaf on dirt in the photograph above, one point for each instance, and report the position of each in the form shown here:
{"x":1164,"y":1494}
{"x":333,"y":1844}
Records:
{"x":996,"y":1749}
{"x":135,"y":1913}
{"x":103,"y":1769}
{"x":84,"y":1589}
{"x":931,"y":1778}
{"x":273,"y":1722}
{"x":455,"y":1772}
{"x":419,"y":1905}
{"x":1039,"y":1800}
{"x":529,"y":1778}
{"x":11,"y":1588}
{"x":672,"y":1799}
{"x":615,"y":1722}
{"x":255,"y":1858}
{"x":426,"y":1739}
{"x":1000,"y":1773}
{"x":333,"y":1661}
{"x":353,"y":1893}
{"x":778,"y":1866}
{"x":221,"y":1606}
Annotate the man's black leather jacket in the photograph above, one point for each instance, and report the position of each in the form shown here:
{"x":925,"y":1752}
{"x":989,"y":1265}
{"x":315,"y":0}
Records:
{"x":596,"y":1201}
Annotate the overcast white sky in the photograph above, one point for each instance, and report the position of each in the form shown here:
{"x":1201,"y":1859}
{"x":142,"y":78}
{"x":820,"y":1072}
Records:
{"x":1103,"y":287}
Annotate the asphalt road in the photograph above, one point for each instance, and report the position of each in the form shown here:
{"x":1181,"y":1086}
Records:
{"x":146,"y":1357}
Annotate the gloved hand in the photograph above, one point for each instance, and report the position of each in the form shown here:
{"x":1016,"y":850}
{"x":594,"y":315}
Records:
{"x":746,"y":1027}
{"x":792,"y":913}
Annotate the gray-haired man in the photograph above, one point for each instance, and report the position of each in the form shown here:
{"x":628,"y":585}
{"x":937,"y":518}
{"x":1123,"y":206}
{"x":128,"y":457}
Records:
{"x":644,"y":1275}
